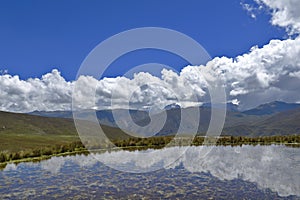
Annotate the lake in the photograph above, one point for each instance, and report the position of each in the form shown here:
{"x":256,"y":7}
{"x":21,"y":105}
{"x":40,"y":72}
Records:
{"x":221,"y":172}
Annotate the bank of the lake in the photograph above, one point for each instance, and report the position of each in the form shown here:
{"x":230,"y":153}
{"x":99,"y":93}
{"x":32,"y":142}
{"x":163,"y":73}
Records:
{"x":41,"y":153}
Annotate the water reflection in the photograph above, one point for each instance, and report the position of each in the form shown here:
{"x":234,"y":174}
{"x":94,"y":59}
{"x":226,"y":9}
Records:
{"x":270,"y":167}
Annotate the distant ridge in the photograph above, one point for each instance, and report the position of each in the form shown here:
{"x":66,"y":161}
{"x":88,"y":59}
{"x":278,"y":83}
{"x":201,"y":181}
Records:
{"x":282,"y":123}
{"x":275,"y":118}
{"x":59,"y":114}
{"x":272,"y":108}
{"x":172,"y":106}
{"x":105,"y":117}
{"x":229,"y":106}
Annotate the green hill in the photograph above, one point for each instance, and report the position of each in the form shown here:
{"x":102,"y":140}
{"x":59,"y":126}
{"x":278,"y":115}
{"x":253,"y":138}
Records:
{"x":283,"y":123}
{"x":20,"y":132}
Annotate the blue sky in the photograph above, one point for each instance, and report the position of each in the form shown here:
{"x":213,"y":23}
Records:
{"x":37,"y":36}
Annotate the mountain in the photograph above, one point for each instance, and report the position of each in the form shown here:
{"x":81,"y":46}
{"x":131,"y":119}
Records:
{"x":57,"y":114}
{"x":229,"y":106}
{"x":19,"y":132}
{"x":236,"y":123}
{"x":283,"y":123}
{"x":105,"y":117}
{"x":272,"y":108}
{"x":142,"y":118}
{"x":172,"y":106}
{"x":190,"y":123}
{"x":274,"y":118}
{"x":286,"y":122}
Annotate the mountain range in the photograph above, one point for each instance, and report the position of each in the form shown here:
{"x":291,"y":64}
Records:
{"x":272,"y":108}
{"x":274,"y":118}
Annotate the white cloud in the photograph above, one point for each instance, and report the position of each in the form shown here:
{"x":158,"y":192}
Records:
{"x":259,"y":76}
{"x":285,"y":13}
{"x":295,"y":74}
{"x":262,"y":75}
{"x":235,"y":101}
{"x":51,"y":92}
{"x":251,"y":10}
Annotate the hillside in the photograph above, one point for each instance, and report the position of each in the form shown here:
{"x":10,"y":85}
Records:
{"x":272,"y":108}
{"x":105,"y":117}
{"x":22,"y":131}
{"x":18,"y":123}
{"x":236,"y":123}
{"x":287,"y":122}
{"x":233,"y":118}
{"x":171,"y":126}
{"x":283,"y":123}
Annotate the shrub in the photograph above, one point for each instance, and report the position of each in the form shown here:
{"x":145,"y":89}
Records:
{"x":2,"y":157}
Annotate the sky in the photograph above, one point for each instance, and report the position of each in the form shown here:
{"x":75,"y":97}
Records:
{"x":37,"y":36}
{"x":254,"y":46}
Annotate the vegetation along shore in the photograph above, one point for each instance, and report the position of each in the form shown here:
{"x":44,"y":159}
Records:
{"x":38,"y":153}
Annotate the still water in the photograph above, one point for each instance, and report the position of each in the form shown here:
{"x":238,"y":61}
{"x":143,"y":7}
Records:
{"x":247,"y":172}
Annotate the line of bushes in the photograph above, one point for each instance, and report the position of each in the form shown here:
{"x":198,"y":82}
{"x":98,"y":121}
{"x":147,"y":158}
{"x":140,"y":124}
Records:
{"x":151,"y":141}
{"x":44,"y":151}
{"x":200,"y":140}
{"x":136,"y":143}
{"x":239,"y":140}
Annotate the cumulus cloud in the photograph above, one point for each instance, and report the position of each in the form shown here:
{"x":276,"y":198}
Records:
{"x":51,"y":92}
{"x":143,"y":91}
{"x":264,"y":74}
{"x":285,"y":13}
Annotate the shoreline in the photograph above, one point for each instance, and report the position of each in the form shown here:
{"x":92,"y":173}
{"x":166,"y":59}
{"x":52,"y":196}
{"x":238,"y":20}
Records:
{"x":197,"y":141}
